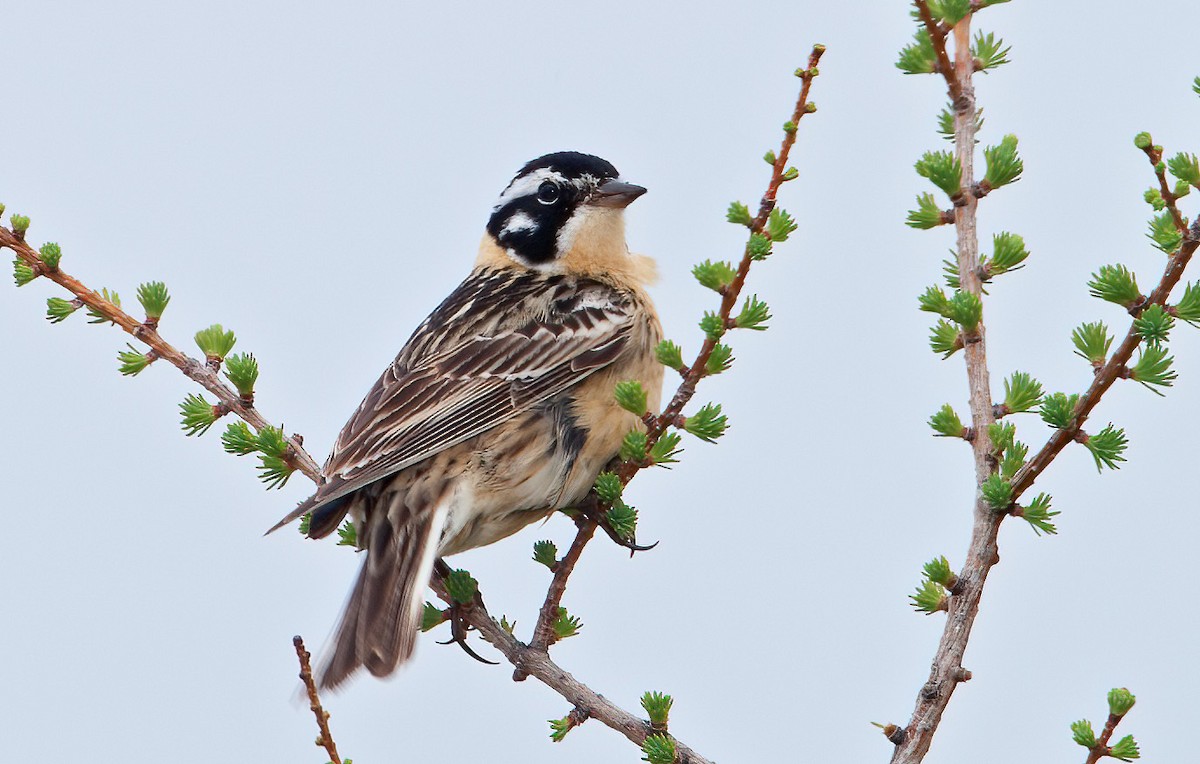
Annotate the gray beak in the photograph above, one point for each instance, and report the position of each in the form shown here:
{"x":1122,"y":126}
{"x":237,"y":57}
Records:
{"x":615,"y":193}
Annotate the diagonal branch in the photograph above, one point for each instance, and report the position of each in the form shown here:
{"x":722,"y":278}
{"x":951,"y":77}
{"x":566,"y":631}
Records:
{"x":543,"y":632}
{"x":696,"y":371}
{"x":949,"y":71}
{"x":692,"y":375}
{"x":147,"y":332}
{"x":528,"y":660}
{"x":325,"y":739}
{"x":537,"y":663}
{"x":1112,"y":369}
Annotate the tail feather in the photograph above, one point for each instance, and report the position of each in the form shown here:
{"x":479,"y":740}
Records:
{"x":338,"y":665}
{"x":327,"y":517}
{"x":383,"y":615}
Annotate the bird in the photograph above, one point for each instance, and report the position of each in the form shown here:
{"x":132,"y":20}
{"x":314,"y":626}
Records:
{"x":499,"y":409}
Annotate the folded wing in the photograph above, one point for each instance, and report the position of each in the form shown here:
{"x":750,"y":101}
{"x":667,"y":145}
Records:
{"x":498,"y":345}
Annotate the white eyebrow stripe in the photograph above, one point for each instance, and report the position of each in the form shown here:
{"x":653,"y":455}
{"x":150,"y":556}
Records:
{"x":519,"y":222}
{"x":527,"y":185}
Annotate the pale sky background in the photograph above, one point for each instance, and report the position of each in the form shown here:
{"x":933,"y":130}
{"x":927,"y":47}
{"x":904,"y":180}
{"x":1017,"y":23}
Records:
{"x":317,"y":177}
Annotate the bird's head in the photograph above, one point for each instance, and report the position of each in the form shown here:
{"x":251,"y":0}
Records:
{"x":562,"y":207}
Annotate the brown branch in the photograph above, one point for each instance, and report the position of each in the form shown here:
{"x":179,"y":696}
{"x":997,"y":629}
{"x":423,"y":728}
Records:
{"x":325,"y":739}
{"x":543,"y":632}
{"x":671,"y":416}
{"x":1154,"y":154}
{"x":951,"y":72}
{"x":912,"y":743}
{"x":729,"y":296}
{"x":963,"y":606}
{"x":537,"y":663}
{"x":1101,"y":749}
{"x":1113,"y":369}
{"x":147,"y":332}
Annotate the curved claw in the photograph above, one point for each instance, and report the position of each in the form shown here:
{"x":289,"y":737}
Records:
{"x":467,"y":649}
{"x":632,"y":547}
{"x":591,"y":510}
{"x":617,"y":539}
{"x":458,"y":634}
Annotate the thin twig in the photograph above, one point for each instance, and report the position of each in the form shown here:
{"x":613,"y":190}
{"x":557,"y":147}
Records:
{"x":1101,"y":749}
{"x":325,"y":738}
{"x":147,"y":332}
{"x":950,"y":72}
{"x":543,"y":632}
{"x":1111,"y":371}
{"x":1154,"y":154}
{"x":697,"y":370}
{"x":537,"y":663}
{"x":656,"y":426}
{"x":1115,"y":368}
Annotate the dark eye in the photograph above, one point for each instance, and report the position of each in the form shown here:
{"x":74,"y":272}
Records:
{"x":547,"y":193}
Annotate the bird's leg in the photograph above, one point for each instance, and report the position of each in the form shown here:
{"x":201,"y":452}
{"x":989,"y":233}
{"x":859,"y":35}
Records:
{"x":456,"y":614}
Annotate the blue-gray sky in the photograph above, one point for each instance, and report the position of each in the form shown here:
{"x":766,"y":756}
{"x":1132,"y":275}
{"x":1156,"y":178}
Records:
{"x":317,"y":177}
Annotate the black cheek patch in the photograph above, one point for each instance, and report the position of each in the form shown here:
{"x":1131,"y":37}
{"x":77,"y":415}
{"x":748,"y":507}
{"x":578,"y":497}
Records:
{"x":538,"y":244}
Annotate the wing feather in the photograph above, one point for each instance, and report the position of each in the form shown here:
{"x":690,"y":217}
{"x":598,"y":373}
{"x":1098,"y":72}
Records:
{"x":498,"y":345}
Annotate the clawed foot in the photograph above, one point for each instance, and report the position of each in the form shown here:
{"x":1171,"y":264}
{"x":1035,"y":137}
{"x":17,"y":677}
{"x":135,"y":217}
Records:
{"x":456,"y":614}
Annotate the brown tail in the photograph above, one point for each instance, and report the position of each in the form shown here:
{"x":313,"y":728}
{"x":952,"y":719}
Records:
{"x":383,"y":615}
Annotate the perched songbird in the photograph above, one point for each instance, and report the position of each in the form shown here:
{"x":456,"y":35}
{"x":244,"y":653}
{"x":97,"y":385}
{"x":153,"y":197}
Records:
{"x":499,"y":409}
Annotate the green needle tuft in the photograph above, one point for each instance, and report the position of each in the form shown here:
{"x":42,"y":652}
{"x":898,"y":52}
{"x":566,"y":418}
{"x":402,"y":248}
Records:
{"x":631,"y":396}
{"x":154,"y":297}
{"x":51,"y":255}
{"x":545,"y":553}
{"x":197,"y":415}
{"x":566,"y":625}
{"x":739,"y":214}
{"x":215,"y":342}
{"x":461,"y":586}
{"x":1038,"y":515}
{"x":1107,"y":447}
{"x":1058,"y":409}
{"x":1004,"y":165}
{"x":658,"y":707}
{"x":670,"y":355}
{"x":659,"y":749}
{"x":708,"y":423}
{"x":918,"y":56}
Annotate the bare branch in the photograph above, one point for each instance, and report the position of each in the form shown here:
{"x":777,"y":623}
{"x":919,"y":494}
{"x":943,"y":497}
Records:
{"x":325,"y":739}
{"x":537,"y":663}
{"x":543,"y":632}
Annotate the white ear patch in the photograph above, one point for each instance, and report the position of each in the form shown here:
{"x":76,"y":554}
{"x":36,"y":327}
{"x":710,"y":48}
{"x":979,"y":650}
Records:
{"x":519,"y":222}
